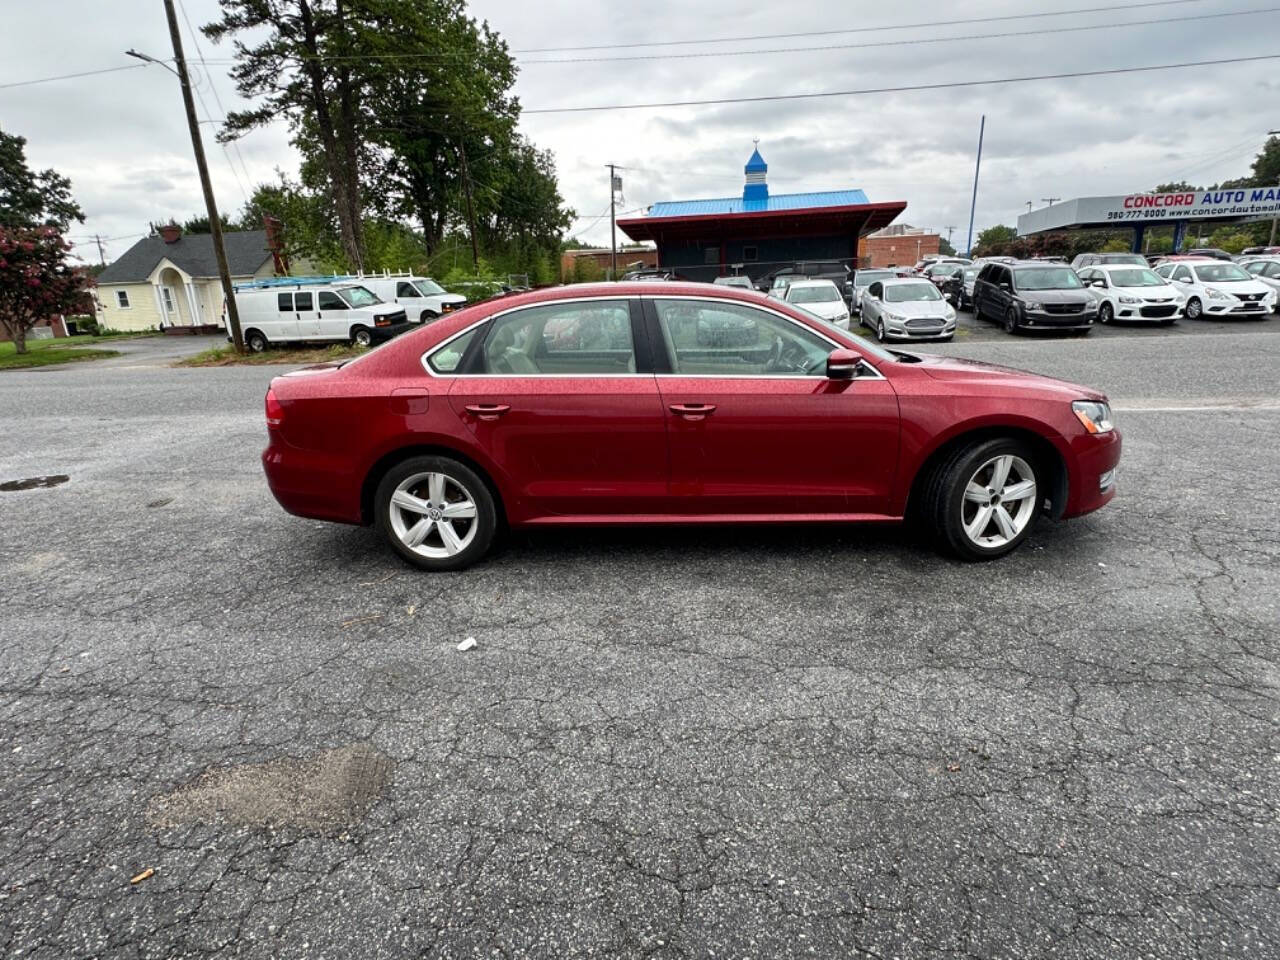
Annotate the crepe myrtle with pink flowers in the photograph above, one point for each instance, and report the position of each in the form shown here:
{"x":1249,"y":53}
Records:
{"x":36,"y":282}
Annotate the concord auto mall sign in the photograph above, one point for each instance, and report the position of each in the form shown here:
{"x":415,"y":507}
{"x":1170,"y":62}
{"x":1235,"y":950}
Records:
{"x":1243,"y":203}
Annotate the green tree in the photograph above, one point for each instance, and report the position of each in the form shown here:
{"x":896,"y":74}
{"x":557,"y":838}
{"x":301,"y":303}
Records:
{"x":1180,"y":186}
{"x":992,"y":239}
{"x":36,"y":282}
{"x":31,"y":198}
{"x":308,"y":221}
{"x":200,"y":223}
{"x":302,"y":58}
{"x":945,"y":248}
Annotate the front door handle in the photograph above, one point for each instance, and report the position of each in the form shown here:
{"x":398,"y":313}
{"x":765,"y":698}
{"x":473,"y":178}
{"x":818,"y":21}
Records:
{"x":487,"y":411}
{"x":693,"y":412}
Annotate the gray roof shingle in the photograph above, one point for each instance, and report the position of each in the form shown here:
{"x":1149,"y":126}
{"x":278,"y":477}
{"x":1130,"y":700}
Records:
{"x":193,"y":253}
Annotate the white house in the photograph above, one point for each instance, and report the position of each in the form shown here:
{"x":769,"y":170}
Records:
{"x":172,"y":280}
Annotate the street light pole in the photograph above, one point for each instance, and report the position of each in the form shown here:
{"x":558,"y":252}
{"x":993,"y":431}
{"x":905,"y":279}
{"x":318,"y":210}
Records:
{"x":215,"y":225}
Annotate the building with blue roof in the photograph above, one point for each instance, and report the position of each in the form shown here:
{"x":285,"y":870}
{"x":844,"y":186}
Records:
{"x":757,"y":232}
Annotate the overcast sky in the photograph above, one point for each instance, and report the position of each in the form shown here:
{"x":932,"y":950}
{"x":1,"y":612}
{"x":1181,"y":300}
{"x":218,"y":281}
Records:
{"x":122,"y":139}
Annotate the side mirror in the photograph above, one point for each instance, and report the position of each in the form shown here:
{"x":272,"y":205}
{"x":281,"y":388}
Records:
{"x":1098,"y":282}
{"x":843,"y":364}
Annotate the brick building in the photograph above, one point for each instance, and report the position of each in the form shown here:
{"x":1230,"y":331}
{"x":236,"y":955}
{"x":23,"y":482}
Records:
{"x":898,"y":245}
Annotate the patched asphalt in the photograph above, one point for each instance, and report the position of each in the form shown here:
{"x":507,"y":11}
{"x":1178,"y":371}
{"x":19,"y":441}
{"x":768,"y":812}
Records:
{"x":739,"y":743}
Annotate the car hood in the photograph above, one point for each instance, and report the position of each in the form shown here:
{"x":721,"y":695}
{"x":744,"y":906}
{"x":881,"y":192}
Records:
{"x":826,"y":310}
{"x":1165,"y":293}
{"x":912,"y":309}
{"x":974,"y":372}
{"x":448,"y":298}
{"x":1056,"y":296}
{"x":1249,"y":287}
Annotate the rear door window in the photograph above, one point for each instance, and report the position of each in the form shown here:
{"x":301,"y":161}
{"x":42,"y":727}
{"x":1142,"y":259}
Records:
{"x":585,"y":338}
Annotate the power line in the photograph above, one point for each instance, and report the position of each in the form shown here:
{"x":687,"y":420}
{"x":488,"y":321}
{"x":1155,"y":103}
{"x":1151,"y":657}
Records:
{"x":826,"y":33}
{"x":213,"y":88}
{"x":904,"y":89}
{"x":903,"y":43}
{"x":71,"y":76}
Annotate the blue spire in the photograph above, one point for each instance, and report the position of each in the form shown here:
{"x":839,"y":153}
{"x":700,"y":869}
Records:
{"x":755,"y":190}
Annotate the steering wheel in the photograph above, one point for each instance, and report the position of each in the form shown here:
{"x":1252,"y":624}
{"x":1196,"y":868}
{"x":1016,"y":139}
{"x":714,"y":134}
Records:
{"x":791,"y":358}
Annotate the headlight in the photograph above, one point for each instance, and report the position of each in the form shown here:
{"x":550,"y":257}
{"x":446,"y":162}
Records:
{"x":1093,"y":415}
{"x":1130,"y":299}
{"x":1090,"y":306}
{"x":1216,"y":294}
{"x":1033,"y":306}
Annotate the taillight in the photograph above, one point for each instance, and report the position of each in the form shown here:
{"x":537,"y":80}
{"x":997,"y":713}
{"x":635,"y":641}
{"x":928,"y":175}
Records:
{"x":275,"y":412}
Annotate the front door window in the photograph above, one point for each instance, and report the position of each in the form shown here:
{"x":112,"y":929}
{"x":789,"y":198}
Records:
{"x":713,"y":338}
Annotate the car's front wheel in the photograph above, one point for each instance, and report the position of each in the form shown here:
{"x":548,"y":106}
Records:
{"x":1011,"y":320}
{"x":361,"y":336}
{"x":984,"y":499}
{"x":428,"y":316}
{"x":1106,"y":313}
{"x":436,"y":513}
{"x":1194,"y":310}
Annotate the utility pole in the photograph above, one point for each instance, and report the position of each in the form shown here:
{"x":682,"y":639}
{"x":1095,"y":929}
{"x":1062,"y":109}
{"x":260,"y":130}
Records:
{"x":949,"y":229}
{"x":471,"y":212}
{"x":613,"y":223}
{"x":1050,"y":200}
{"x":102,"y":259}
{"x":215,"y":224}
{"x":1029,"y":205}
{"x":982,"y":128}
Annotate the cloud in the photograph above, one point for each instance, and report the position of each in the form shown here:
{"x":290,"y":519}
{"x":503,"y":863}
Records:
{"x":123,"y":140}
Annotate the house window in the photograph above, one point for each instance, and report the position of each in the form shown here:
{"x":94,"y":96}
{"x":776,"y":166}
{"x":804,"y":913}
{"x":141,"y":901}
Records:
{"x":749,"y":253}
{"x":122,"y":298}
{"x":711,"y":255}
{"x":166,"y":294}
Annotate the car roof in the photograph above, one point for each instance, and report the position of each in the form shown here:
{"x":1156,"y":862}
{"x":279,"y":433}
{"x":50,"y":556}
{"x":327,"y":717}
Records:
{"x":902,"y":281}
{"x":815,"y":282}
{"x":1104,"y":267}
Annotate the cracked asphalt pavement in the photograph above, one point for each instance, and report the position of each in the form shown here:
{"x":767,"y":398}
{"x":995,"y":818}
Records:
{"x":693,"y":743}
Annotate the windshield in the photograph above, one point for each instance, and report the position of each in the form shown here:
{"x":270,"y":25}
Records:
{"x":865,"y":278}
{"x":1220,"y":273}
{"x":911,"y":293}
{"x":822,"y":294}
{"x":1136,"y":278}
{"x":429,"y":287}
{"x":358,"y":297}
{"x":1047,"y":278}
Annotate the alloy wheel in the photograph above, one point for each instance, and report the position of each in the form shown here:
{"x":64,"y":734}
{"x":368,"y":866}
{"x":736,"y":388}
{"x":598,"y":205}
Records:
{"x":433,"y":515}
{"x":1193,"y":309}
{"x":1105,"y":313}
{"x":880,"y":330}
{"x":999,"y":501}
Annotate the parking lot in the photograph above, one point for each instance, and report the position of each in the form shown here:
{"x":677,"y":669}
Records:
{"x":729,"y":742}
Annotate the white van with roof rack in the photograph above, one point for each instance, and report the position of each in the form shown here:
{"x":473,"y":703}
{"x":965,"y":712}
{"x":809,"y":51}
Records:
{"x":423,"y":299}
{"x":314,"y":310}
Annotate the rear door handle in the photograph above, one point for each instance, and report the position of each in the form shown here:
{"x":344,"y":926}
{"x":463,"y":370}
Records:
{"x":487,"y":411}
{"x":693,"y":412}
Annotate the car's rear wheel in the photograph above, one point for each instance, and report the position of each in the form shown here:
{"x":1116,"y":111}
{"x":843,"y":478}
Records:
{"x":1194,"y":310}
{"x":255,"y":341}
{"x":436,"y":513}
{"x":361,"y":336}
{"x":1106,"y":313}
{"x":984,"y":499}
{"x":1011,"y":320}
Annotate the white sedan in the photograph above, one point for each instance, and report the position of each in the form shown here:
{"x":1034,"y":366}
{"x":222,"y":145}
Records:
{"x":1216,"y":288}
{"x":909,"y":309}
{"x":1126,"y":292}
{"x":821,"y":298}
{"x":1265,"y":270}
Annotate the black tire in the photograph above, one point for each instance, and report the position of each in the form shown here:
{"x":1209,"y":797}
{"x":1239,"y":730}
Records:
{"x":942,"y":506}
{"x":361,"y":336}
{"x":428,"y":316}
{"x":486,"y":518}
{"x":1011,"y":320}
{"x":1194,"y":309}
{"x":255,"y":341}
{"x":1106,"y":313}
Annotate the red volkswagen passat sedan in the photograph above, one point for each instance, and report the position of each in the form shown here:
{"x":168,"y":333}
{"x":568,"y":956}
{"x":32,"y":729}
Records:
{"x":674,"y":403}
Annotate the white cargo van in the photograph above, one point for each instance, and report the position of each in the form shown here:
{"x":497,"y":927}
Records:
{"x":288,"y":309}
{"x":423,"y":299}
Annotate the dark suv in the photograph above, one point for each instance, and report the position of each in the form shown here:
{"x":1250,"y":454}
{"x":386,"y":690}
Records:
{"x":1035,"y":295}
